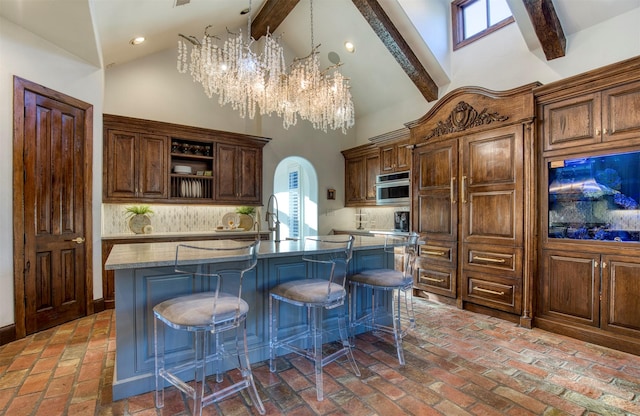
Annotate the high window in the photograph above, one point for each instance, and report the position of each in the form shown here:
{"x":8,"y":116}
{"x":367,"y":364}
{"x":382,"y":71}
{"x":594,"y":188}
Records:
{"x":474,"y":19}
{"x":294,"y":201}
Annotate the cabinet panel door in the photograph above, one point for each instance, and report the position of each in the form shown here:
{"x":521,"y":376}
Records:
{"x":570,"y":289}
{"x":621,"y":112}
{"x":226,"y":172}
{"x":621,"y":294}
{"x":372,"y":170}
{"x":152,"y":167}
{"x":121,"y":164}
{"x":572,"y":122}
{"x":354,"y":180}
{"x":403,"y":157}
{"x":434,"y":187}
{"x":491,"y":189}
{"x":387,"y":158}
{"x":249,"y":186}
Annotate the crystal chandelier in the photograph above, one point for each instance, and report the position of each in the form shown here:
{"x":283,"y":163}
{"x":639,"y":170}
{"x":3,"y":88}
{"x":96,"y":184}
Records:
{"x":252,"y":82}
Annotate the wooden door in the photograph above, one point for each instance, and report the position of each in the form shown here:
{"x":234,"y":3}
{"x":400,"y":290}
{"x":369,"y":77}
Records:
{"x":621,"y":112}
{"x":120,"y":164}
{"x":491,"y":190}
{"x":354,"y":181}
{"x":570,"y":287}
{"x":52,"y":208}
{"x":371,"y":171}
{"x":249,"y":186}
{"x":435,"y":191}
{"x":226,"y":172}
{"x":621,"y":294}
{"x":152,"y":166}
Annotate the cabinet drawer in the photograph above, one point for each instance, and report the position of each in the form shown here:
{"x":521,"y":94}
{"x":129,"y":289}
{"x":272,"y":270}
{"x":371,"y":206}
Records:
{"x":443,"y":253}
{"x":507,"y":261}
{"x":439,"y":280}
{"x":502,"y":294}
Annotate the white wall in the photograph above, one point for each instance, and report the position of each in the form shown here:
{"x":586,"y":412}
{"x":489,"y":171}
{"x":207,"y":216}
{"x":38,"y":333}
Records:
{"x":152,"y":88}
{"x":33,"y":58}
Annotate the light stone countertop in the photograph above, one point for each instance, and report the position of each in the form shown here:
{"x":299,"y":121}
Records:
{"x":142,"y":255}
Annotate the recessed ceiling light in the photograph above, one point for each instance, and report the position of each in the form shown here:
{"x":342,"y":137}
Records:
{"x":350,"y":47}
{"x":137,"y":40}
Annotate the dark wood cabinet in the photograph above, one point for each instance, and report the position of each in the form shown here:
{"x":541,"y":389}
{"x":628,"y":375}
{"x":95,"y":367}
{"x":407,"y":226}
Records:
{"x":137,"y":163}
{"x":238,"y":174}
{"x":588,"y":287}
{"x":362,"y":165}
{"x":395,"y":157}
{"x":595,"y":117}
{"x":142,"y":157}
{"x":469,"y":191}
{"x":470,"y":195}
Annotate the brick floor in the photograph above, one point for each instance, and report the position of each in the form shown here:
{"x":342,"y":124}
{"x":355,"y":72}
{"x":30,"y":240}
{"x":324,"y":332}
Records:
{"x":458,"y":363}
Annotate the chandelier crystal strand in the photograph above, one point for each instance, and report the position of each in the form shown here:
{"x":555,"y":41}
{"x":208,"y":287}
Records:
{"x":252,"y":83}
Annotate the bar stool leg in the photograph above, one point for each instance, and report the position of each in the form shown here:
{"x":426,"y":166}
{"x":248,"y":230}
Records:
{"x":199,"y":376}
{"x":273,"y":332}
{"x":245,"y":369}
{"x":159,"y":354}
{"x":344,"y":338}
{"x":395,"y":305}
{"x":316,"y":333}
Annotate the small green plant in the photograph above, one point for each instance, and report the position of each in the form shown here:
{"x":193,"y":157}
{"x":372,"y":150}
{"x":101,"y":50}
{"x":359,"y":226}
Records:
{"x":138,"y":210}
{"x":246,"y":210}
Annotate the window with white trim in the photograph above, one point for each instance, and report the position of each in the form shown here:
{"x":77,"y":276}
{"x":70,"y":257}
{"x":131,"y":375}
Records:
{"x":474,"y":19}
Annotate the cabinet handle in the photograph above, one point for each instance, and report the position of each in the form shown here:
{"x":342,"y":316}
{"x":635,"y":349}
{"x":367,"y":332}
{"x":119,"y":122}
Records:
{"x":604,"y":264}
{"x":596,"y":264}
{"x":597,"y":132}
{"x":464,"y":190}
{"x":493,"y":292}
{"x":433,"y":279}
{"x":434,"y":253}
{"x":489,"y":259}
{"x":453,"y":190}
{"x":605,"y":132}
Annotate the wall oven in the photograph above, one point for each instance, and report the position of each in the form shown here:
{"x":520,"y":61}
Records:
{"x":393,"y":188}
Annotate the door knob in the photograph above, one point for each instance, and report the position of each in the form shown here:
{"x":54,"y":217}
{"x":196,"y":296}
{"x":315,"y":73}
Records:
{"x":78,"y":240}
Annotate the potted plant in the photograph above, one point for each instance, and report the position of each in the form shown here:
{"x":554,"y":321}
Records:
{"x":246,"y":217}
{"x":139,"y":221}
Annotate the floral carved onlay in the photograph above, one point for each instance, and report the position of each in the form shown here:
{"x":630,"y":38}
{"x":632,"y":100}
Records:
{"x":464,"y":117}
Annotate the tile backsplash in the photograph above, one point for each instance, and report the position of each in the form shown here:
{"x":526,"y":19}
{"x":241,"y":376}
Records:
{"x":166,"y":218}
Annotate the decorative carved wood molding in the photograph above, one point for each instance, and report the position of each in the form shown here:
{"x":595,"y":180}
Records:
{"x":395,"y":43}
{"x":548,"y":27}
{"x":462,"y":118}
{"x":271,"y":15}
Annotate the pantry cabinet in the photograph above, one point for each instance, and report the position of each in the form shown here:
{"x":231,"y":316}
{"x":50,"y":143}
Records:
{"x":470,"y":166}
{"x":153,"y":162}
{"x":589,"y":206}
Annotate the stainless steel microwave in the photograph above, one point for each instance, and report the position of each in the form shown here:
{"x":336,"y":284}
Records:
{"x":393,"y":188}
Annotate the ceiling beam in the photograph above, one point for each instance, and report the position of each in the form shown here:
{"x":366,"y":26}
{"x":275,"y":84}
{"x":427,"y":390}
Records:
{"x":271,"y":15}
{"x":547,"y":26}
{"x":400,"y":50}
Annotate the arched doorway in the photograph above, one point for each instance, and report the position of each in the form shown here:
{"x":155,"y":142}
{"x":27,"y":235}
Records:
{"x":295,"y":185}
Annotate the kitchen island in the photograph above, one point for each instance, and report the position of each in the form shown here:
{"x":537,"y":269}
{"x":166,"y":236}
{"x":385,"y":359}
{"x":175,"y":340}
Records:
{"x":145,"y":276}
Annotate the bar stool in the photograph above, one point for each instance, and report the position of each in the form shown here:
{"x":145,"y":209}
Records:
{"x":204,"y":313}
{"x":327,"y":259}
{"x":382,"y":281}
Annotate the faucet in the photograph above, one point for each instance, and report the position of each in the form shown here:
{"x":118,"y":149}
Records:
{"x":273,"y":223}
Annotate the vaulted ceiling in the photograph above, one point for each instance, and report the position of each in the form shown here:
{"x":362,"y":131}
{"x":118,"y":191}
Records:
{"x":401,"y":45}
